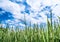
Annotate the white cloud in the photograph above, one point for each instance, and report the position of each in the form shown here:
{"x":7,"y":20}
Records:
{"x":35,"y":5}
{"x":47,"y":2}
{"x":12,"y":7}
{"x":54,"y":2}
{"x":16,"y":9}
{"x":56,"y":10}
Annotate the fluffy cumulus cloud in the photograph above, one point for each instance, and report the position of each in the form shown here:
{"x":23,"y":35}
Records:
{"x":16,"y":12}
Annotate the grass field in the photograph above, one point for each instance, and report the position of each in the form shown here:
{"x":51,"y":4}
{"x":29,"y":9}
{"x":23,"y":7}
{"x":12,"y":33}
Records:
{"x":32,"y":34}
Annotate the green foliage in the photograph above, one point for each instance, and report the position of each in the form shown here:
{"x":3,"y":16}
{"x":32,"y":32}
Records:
{"x":29,"y":34}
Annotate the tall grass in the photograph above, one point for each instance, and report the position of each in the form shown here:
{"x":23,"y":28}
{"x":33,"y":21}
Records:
{"x":32,"y":34}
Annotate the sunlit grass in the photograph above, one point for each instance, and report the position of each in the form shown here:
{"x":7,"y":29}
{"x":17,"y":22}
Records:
{"x":32,"y":34}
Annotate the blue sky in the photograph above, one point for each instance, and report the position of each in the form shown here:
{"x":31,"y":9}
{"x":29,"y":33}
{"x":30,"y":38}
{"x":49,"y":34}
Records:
{"x":35,"y":11}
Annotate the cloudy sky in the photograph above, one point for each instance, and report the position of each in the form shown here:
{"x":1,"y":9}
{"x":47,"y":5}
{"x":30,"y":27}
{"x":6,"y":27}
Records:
{"x":34,"y":11}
